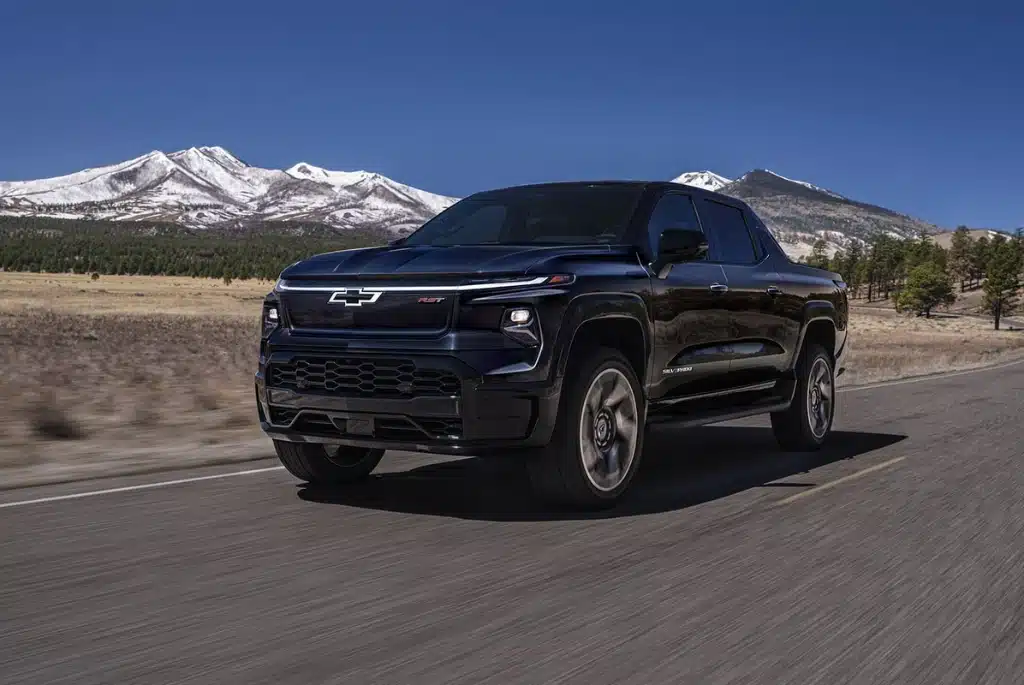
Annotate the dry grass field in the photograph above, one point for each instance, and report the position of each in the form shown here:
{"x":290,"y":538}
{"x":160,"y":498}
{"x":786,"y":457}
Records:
{"x":887,"y":345}
{"x":125,"y":374}
{"x":130,"y":374}
{"x":79,"y":294}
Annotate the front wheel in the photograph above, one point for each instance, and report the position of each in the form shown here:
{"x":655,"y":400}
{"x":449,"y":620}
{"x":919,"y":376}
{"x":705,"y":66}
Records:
{"x":806,"y":424}
{"x":596,"y":446}
{"x":319,"y":464}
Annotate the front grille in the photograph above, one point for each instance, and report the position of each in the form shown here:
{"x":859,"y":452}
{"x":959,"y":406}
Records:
{"x":355,"y":377}
{"x":391,"y":311}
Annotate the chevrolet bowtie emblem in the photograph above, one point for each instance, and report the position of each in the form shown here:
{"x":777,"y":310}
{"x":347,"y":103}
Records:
{"x":354,"y":297}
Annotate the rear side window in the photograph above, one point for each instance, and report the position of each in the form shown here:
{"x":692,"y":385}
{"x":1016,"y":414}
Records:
{"x":768,"y":242}
{"x":672,"y":211}
{"x":731,"y":238}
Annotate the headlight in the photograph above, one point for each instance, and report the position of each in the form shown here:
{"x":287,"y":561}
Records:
{"x":271,"y":318}
{"x":520,"y":324}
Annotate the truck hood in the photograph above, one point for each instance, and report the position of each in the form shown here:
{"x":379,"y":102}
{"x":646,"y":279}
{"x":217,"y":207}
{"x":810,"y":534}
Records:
{"x":461,"y":260}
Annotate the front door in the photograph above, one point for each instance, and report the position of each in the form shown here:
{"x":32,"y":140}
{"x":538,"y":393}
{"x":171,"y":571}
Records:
{"x":691,"y":321}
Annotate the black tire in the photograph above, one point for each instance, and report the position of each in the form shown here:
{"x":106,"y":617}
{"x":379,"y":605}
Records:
{"x":319,"y":464}
{"x":793,"y":428}
{"x":558,"y":474}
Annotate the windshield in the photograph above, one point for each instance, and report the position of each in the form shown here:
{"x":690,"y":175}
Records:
{"x":559,"y":215}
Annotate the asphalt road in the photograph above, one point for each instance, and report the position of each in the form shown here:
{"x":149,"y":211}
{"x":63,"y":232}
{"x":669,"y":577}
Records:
{"x":896,"y":556}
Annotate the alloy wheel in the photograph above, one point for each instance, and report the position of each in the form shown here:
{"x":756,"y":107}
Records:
{"x":608,"y":429}
{"x":819,"y":398}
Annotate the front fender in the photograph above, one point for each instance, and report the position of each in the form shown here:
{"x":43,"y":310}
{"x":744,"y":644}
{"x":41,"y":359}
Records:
{"x":589,"y":307}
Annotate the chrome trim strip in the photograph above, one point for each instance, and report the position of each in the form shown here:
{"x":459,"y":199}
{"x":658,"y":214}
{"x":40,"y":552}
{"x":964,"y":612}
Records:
{"x":768,"y":385}
{"x":283,"y":286}
{"x":522,"y":367}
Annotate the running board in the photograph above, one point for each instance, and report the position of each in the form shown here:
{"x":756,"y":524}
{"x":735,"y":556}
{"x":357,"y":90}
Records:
{"x":724,"y":405}
{"x":719,"y":415}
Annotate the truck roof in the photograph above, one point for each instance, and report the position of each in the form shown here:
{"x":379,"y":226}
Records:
{"x":616,"y":183}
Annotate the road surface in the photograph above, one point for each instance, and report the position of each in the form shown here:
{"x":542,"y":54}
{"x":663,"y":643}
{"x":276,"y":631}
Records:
{"x":896,"y":556}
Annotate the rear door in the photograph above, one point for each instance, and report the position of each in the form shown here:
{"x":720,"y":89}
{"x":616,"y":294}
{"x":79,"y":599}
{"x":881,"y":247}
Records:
{"x":690,"y":319}
{"x":756,"y":325}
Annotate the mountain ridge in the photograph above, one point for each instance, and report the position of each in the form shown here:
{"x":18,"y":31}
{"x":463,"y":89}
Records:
{"x":208,"y":187}
{"x":800,"y":213}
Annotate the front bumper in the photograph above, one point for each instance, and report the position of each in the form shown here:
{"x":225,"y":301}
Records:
{"x":481,"y":415}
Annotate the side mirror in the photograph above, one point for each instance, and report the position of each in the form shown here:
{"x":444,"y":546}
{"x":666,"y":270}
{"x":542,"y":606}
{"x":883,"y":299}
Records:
{"x":680,"y":245}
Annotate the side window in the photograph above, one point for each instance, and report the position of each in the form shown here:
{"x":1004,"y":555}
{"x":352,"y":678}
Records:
{"x":731,"y":240}
{"x":672,"y":211}
{"x":769,"y":243}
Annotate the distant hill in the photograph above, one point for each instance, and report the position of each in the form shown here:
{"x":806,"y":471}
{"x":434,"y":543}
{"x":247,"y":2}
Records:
{"x":798,"y":212}
{"x":945,"y":239}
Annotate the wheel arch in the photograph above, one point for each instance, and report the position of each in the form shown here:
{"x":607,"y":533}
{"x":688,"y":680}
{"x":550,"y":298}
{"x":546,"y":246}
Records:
{"x":819,"y":326}
{"x":616,"y":320}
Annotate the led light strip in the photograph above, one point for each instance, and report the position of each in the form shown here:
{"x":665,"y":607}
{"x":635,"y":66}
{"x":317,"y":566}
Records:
{"x":283,"y":286}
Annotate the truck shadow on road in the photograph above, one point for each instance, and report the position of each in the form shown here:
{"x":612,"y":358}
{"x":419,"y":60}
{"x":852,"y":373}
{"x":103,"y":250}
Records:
{"x":680,"y":468}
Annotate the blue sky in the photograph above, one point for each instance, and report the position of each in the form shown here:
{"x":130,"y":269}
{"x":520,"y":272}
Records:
{"x":915,"y":106}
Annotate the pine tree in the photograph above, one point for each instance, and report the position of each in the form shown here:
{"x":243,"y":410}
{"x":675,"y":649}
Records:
{"x":927,"y":287}
{"x":960,"y":256}
{"x":819,"y":254}
{"x":862,"y":275}
{"x":1003,"y":281}
{"x":979,"y":258}
{"x":852,"y":269}
{"x":837,"y":262}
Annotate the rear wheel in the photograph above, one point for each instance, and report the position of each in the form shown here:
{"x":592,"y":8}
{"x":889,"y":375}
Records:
{"x":806,"y":424}
{"x":596,"y":446}
{"x":319,"y":464}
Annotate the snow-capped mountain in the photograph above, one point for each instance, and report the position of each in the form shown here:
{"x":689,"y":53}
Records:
{"x":799,"y":213}
{"x":708,"y":180}
{"x":805,"y":184}
{"x":208,"y":186}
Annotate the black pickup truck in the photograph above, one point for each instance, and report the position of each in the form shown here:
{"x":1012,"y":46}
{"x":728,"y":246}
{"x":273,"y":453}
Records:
{"x":552,"y":323}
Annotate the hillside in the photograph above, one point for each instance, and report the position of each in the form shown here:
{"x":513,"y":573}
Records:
{"x":43,"y":244}
{"x":798,"y":212}
{"x":945,"y":239}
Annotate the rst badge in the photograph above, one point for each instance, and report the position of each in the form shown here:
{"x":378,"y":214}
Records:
{"x":354,"y":297}
{"x":430,"y":300}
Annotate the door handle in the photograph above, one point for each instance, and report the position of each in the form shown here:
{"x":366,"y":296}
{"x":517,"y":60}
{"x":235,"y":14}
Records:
{"x":719,"y":288}
{"x":773,"y":291}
